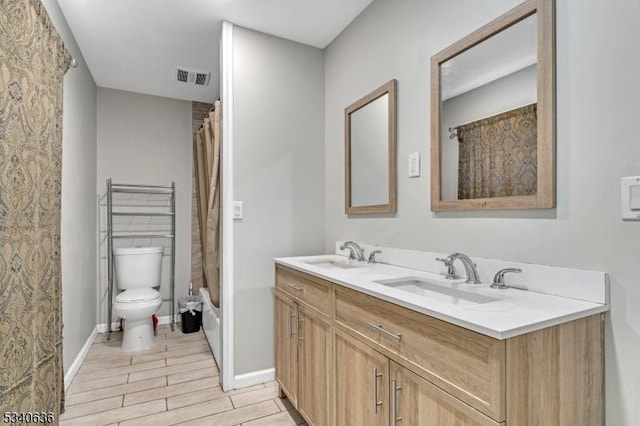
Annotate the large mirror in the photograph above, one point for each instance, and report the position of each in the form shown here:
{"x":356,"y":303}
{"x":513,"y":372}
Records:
{"x":370,"y":152}
{"x":493,"y":115}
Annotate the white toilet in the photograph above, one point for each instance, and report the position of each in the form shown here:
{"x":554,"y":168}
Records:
{"x":137,"y":271}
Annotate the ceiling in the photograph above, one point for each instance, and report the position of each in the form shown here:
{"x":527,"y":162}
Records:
{"x":135,"y":45}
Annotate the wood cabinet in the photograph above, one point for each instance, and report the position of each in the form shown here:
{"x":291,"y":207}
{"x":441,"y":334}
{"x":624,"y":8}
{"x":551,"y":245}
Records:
{"x":373,"y":390}
{"x":304,"y":345}
{"x":362,"y":384}
{"x":346,"y":358}
{"x":416,"y":401}
{"x":467,"y":364}
{"x":287,"y":346}
{"x":314,"y":367}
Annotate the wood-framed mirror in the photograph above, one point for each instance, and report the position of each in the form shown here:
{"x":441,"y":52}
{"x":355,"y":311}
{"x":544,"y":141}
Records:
{"x":370,"y":152}
{"x":493,"y":115}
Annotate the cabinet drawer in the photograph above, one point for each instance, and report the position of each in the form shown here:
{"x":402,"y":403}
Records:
{"x":464,"y":363}
{"x":305,"y":288}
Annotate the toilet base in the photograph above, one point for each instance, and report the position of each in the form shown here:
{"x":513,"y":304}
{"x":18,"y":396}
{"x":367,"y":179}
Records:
{"x":138,"y":335}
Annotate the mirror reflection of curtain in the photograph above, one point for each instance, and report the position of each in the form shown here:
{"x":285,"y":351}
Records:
{"x":207,"y":168}
{"x":33,"y":61}
{"x":498,"y":155}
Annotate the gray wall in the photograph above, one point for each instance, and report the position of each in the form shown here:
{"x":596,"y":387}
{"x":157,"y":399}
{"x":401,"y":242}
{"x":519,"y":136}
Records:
{"x":146,"y":139}
{"x":278,"y":174}
{"x":597,"y":90}
{"x":78,"y":233}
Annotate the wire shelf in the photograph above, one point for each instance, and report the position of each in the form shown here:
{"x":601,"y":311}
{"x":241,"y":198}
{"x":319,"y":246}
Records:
{"x":136,"y":216}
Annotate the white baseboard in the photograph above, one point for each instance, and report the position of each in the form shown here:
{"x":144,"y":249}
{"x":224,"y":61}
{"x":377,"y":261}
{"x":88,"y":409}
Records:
{"x":75,"y":366}
{"x":254,"y":378}
{"x":102,"y":328}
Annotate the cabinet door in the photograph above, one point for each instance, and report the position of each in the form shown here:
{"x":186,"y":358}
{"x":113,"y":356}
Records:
{"x":415,"y":401}
{"x":314,"y":365}
{"x":287,"y":346}
{"x":362,"y":384}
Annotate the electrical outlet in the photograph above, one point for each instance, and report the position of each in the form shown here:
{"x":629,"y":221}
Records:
{"x":414,"y":164}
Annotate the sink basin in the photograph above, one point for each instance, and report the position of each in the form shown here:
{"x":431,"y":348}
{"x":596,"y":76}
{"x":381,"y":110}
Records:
{"x":441,"y":292}
{"x":343,"y":264}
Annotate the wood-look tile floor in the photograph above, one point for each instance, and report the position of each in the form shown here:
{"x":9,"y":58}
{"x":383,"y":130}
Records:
{"x":174,"y":382}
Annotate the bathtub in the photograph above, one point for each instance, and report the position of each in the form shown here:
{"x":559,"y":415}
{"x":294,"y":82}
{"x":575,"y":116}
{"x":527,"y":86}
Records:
{"x":211,"y":325}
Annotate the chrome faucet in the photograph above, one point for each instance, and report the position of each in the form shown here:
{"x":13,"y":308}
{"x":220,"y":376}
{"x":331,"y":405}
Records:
{"x":469,"y":267}
{"x":498,"y":279}
{"x":355,"y":251}
{"x":372,"y":256}
{"x":451,"y":270}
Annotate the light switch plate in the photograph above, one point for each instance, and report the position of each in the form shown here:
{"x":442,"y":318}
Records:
{"x":630,"y":197}
{"x":414,"y":164}
{"x":237,"y":210}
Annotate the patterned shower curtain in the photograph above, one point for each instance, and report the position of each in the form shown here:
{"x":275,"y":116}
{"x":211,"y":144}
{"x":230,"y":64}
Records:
{"x":33,"y":61}
{"x":498,"y":155}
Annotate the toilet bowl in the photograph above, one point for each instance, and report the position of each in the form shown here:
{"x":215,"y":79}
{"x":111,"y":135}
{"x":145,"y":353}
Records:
{"x":137,"y":271}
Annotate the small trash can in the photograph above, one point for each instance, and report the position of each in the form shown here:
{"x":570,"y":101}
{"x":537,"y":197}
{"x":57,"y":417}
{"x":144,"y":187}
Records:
{"x":191,"y":313}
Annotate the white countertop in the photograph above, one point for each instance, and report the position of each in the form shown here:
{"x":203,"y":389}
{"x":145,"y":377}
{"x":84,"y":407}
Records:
{"x":514,"y":311}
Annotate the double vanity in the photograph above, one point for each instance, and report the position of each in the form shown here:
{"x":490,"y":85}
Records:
{"x":398,"y":341}
{"x":398,"y":337}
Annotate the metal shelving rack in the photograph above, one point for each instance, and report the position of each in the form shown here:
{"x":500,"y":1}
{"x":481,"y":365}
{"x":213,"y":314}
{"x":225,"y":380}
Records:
{"x":140,"y":210}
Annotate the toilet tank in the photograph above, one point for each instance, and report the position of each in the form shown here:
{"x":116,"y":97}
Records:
{"x":138,"y":267}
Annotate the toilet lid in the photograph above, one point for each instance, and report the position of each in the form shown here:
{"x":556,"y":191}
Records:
{"x":137,"y":295}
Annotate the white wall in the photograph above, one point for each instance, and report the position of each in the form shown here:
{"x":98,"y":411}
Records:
{"x":146,"y":139}
{"x":597,"y":90}
{"x":78,"y":223}
{"x":278,"y":174}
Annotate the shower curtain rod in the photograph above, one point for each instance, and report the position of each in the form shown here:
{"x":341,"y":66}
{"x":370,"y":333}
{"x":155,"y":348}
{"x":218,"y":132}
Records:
{"x":453,"y":130}
{"x":213,"y":108}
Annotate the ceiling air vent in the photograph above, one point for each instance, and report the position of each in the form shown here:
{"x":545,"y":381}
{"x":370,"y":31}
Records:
{"x":189,"y":76}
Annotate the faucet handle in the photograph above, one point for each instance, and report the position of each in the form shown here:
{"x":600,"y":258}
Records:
{"x":372,"y":256}
{"x":498,"y":279}
{"x":451,"y":270}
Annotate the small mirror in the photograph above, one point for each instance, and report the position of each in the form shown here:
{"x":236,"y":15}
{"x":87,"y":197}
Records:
{"x":493,"y":115}
{"x":370,"y":152}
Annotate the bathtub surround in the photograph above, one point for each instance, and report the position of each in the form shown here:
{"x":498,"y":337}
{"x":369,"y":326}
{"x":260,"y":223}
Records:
{"x":596,"y":89}
{"x":211,"y":325}
{"x":31,"y":163}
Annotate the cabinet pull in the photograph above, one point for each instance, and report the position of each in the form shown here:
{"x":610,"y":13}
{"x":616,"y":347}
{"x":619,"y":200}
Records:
{"x":295,"y":287}
{"x":394,"y":403}
{"x":376,"y":402}
{"x":300,"y":321}
{"x":292,"y":329}
{"x":382,"y":330}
